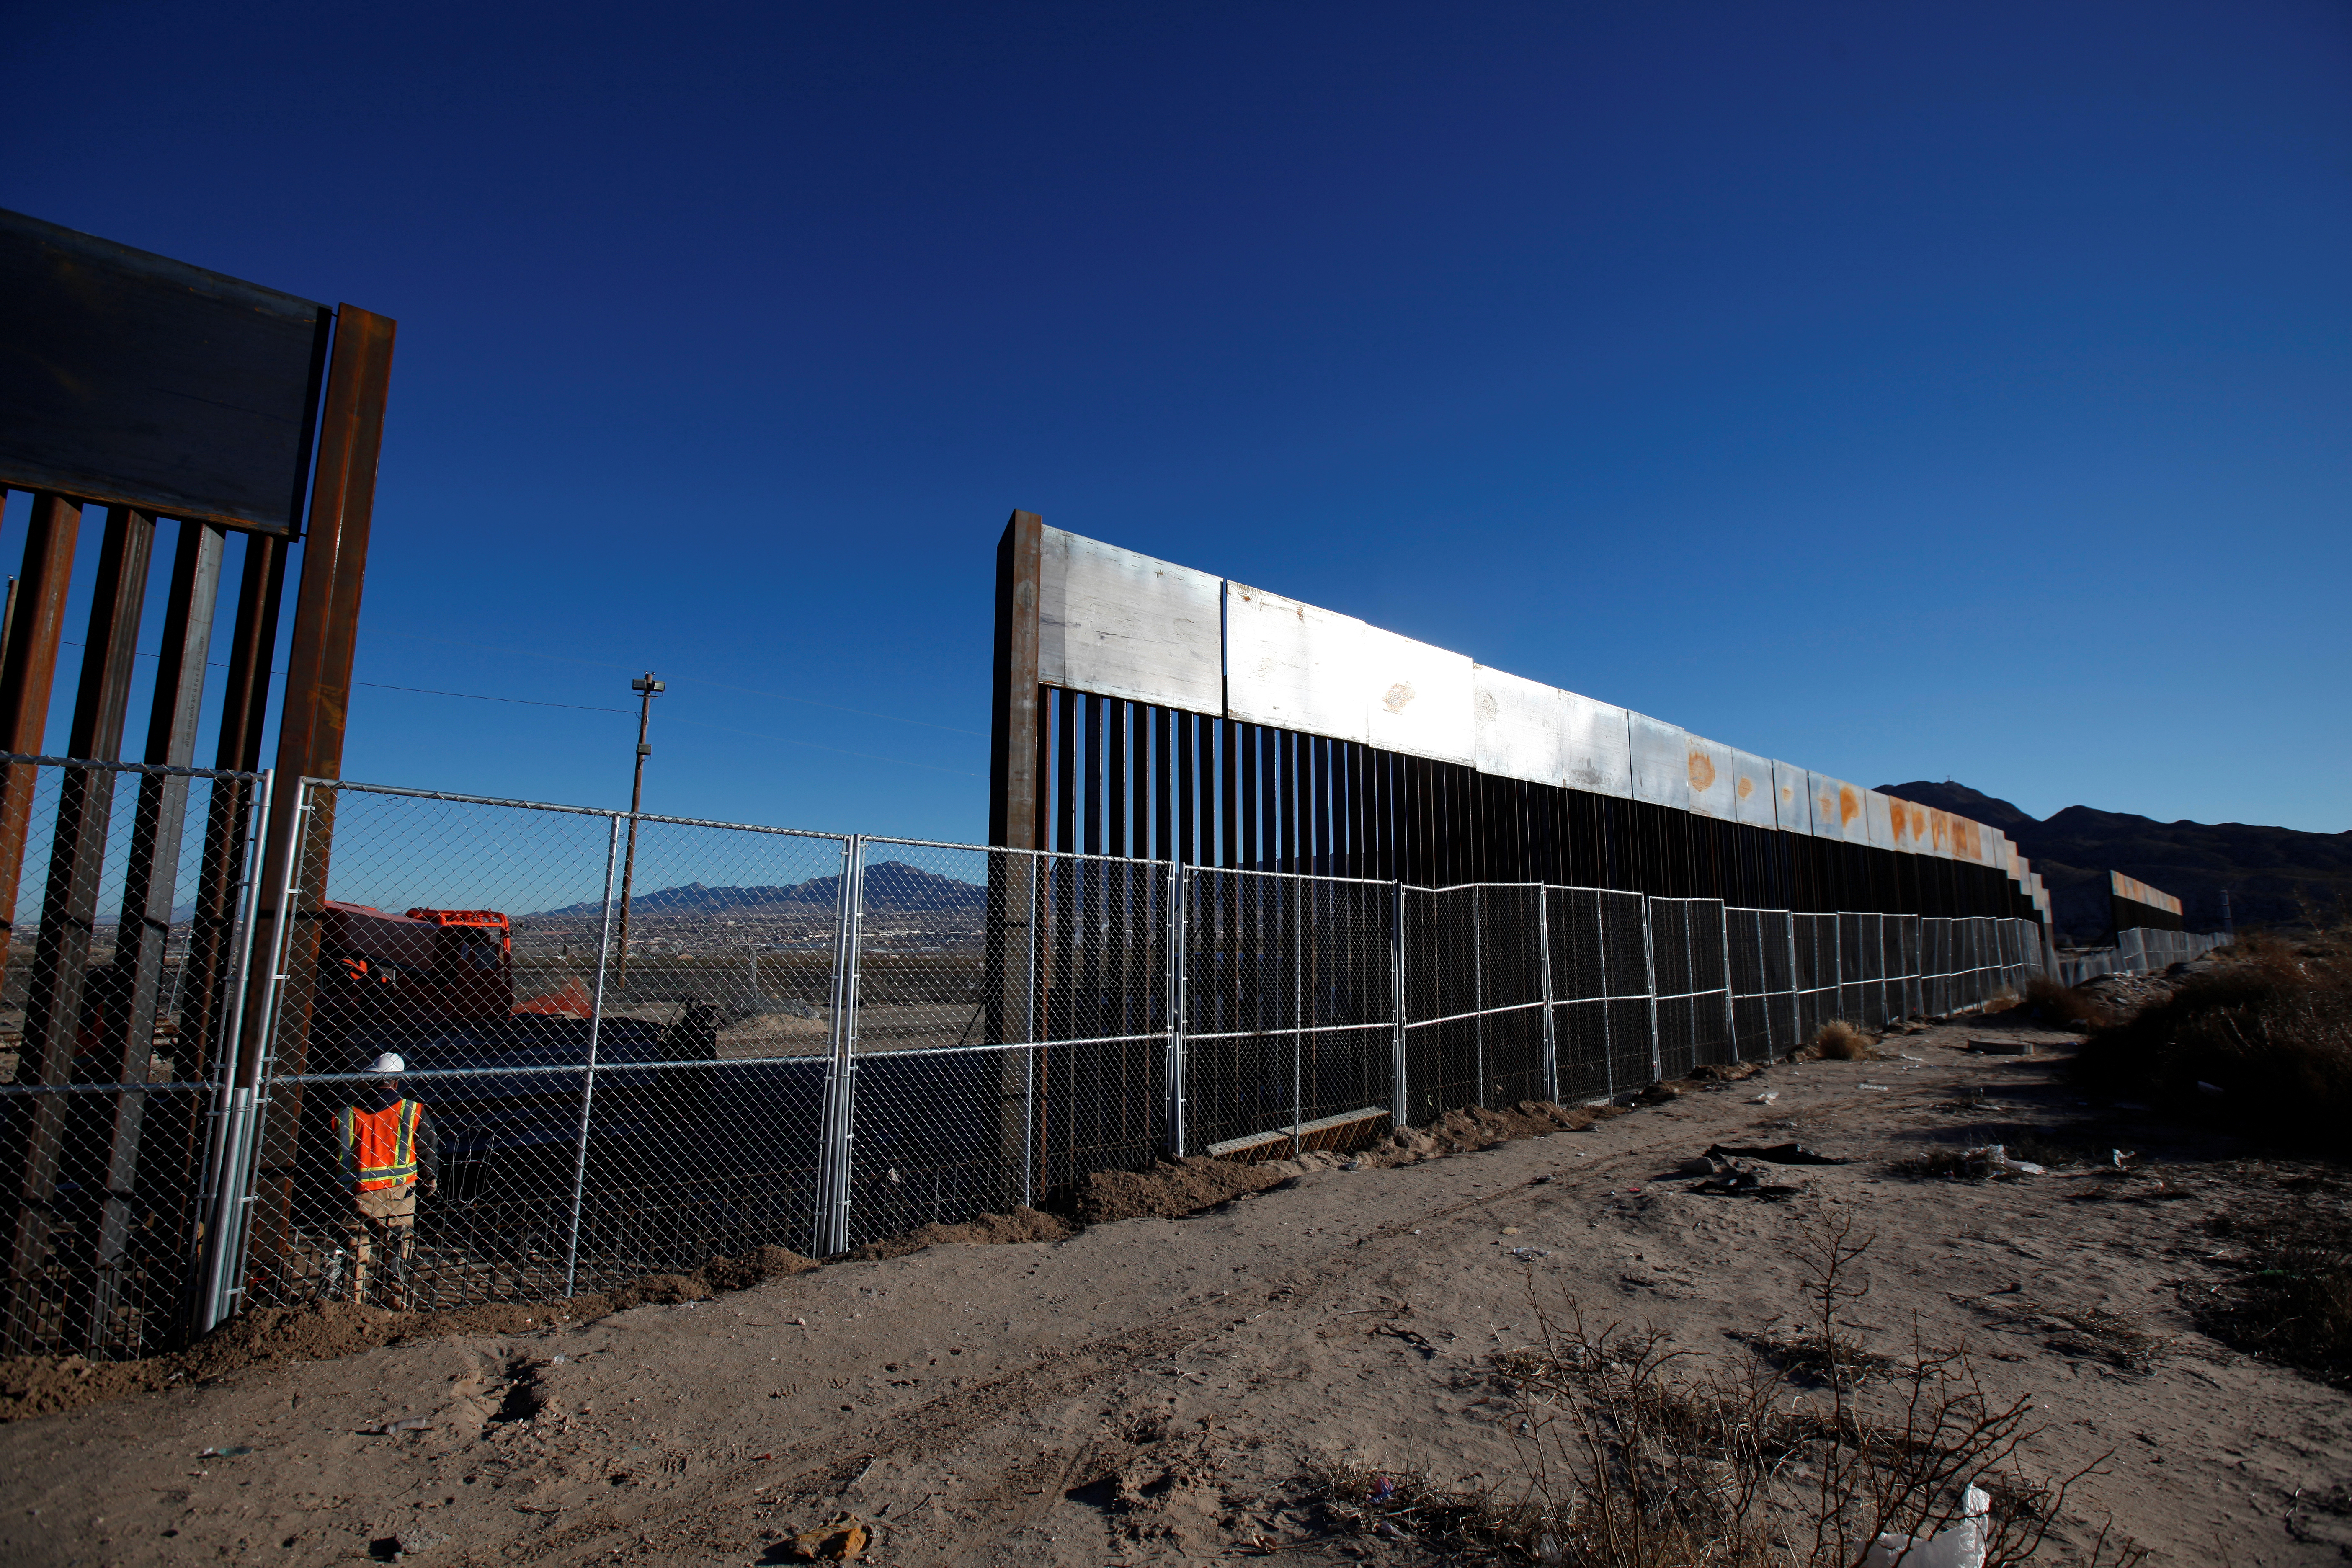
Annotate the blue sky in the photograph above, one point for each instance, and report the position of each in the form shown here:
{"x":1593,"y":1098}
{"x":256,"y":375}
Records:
{"x":1901,"y":391}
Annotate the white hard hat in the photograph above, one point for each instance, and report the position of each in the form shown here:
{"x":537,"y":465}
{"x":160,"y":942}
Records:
{"x":388,"y":1063}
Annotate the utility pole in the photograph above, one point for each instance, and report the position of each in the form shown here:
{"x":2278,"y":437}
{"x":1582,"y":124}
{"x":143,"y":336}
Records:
{"x":647,"y":688}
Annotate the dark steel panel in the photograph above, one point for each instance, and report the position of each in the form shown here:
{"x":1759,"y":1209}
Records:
{"x":133,"y":379}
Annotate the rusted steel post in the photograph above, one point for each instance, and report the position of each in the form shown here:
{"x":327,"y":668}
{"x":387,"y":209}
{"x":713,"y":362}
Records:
{"x":35,"y":630}
{"x":1015,"y":822}
{"x":245,"y":705}
{"x":311,"y":743}
{"x":55,"y":989}
{"x":126,"y":1025}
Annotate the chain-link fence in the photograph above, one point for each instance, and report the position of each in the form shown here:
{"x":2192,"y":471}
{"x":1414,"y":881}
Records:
{"x":2139,"y":950}
{"x":124,"y":888}
{"x":492,"y":1050}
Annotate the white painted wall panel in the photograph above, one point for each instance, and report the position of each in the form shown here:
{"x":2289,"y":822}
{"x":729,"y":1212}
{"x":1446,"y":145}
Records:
{"x":1292,"y":664}
{"x":1522,"y":728}
{"x":1714,"y":778}
{"x":1837,"y":810}
{"x":1599,"y":756}
{"x":1878,"y":819}
{"x":1939,"y":834}
{"x":1419,"y":699}
{"x":1792,"y":798}
{"x":1660,"y":761}
{"x":1122,"y":625}
{"x":1751,"y":790}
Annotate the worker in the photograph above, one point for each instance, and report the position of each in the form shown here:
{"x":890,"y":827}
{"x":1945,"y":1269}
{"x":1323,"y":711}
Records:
{"x":389,"y":1151}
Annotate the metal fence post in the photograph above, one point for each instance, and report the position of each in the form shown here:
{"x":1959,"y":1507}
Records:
{"x":1029,"y":1047}
{"x":588,"y":1077}
{"x":249,"y":1103}
{"x":1730,"y":1014}
{"x":1478,"y":988}
{"x":840,"y":1079}
{"x":1551,"y":1039}
{"x":1399,"y":1106}
{"x":1650,"y":984}
{"x":227,"y":1162}
{"x":1179,"y":944}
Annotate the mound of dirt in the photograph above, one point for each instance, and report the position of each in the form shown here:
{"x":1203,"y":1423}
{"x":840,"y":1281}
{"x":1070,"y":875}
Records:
{"x":1172,"y":1189}
{"x":989,"y":1230}
{"x":34,"y":1385}
{"x":1479,"y":1128}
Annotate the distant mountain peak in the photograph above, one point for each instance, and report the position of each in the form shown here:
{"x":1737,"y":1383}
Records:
{"x":1972,"y":804}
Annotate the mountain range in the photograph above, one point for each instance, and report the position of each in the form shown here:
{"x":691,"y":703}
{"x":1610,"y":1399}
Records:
{"x":2273,"y":875}
{"x":889,"y":885}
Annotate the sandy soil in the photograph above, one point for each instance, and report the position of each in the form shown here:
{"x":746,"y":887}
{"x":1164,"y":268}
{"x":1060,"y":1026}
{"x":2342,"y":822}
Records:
{"x":1156,"y":1390}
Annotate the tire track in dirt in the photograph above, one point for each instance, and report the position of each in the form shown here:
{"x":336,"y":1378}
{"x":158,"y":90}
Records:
{"x":947,"y":1422}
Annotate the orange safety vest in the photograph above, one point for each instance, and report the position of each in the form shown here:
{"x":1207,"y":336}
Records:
{"x":379,"y":1146}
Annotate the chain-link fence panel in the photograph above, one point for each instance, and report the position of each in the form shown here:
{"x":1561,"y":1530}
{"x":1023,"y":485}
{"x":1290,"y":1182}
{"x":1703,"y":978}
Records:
{"x":1289,"y":1011}
{"x":125,"y":888}
{"x":1444,"y":1031}
{"x":1012,"y":1022}
{"x":1599,"y":978}
{"x":1511,"y":959}
{"x":521,"y":1051}
{"x":1763,"y":985}
{"x":1692,"y":979}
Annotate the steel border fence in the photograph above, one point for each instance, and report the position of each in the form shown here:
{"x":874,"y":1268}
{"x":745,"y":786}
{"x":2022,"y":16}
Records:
{"x":893,"y":1032}
{"x":2138,"y":950}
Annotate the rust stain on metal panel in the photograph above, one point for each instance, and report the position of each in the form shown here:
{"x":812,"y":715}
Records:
{"x":1398,"y":696}
{"x":1747,"y":787}
{"x":1702,"y":771}
{"x":1849,"y":805}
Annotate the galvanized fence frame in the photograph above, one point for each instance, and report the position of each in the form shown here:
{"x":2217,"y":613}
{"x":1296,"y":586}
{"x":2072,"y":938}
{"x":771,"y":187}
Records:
{"x":959,"y":1029}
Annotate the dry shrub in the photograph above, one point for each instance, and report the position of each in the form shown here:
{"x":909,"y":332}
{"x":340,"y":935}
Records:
{"x":2291,"y":1295}
{"x":2063,"y":1005}
{"x":1840,"y":1041}
{"x":1640,"y":1456}
{"x":2270,"y":1029}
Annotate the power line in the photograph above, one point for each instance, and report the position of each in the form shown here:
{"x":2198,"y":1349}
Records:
{"x":478,"y":697}
{"x":691,"y":680}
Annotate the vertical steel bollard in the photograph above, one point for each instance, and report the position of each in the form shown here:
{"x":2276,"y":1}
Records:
{"x":229,"y":1158}
{"x":588,"y":1077}
{"x":1399,"y":1107}
{"x":1179,"y":944}
{"x":1650,"y":983}
{"x":1543,"y":948}
{"x":840,"y":1081}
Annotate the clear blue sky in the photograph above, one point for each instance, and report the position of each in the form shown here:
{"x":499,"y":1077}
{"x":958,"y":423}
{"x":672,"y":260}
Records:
{"x":1902,"y":391}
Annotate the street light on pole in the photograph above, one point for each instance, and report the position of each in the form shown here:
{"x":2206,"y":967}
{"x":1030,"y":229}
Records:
{"x":647,"y":688}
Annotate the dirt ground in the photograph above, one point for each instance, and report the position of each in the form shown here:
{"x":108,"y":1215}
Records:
{"x":1158,"y":1390}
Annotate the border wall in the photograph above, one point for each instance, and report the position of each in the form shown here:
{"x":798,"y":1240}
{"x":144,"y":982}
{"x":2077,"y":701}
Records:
{"x":1149,"y":709}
